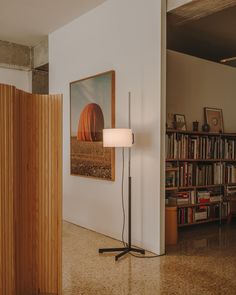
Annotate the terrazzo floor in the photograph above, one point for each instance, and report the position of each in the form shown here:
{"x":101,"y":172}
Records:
{"x":203,"y":263}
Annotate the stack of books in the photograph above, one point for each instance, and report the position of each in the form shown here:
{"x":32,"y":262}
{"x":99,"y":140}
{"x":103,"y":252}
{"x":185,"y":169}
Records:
{"x":228,"y":148}
{"x":231,"y":190}
{"x":182,"y":198}
{"x":195,"y":174}
{"x":203,"y":197}
{"x":200,"y":214}
{"x":186,"y":215}
{"x":230,"y":173}
{"x":191,"y":146}
{"x":171,"y":146}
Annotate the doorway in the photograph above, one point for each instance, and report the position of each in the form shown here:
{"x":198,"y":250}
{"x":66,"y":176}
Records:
{"x":201,"y":126}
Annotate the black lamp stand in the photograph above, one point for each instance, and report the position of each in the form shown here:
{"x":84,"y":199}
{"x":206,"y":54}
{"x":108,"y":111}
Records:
{"x":128,"y":248}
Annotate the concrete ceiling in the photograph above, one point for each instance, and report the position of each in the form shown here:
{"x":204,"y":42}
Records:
{"x":212,"y":37}
{"x":27,"y":22}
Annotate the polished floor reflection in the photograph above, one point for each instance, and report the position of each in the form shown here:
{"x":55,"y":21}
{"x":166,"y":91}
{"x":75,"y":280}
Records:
{"x":203,"y":263}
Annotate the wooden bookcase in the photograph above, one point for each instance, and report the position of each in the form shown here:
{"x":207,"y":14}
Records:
{"x":200,"y":173}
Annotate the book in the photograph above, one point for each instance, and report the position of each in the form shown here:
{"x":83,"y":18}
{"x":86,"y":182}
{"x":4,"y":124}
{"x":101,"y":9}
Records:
{"x":201,"y":214}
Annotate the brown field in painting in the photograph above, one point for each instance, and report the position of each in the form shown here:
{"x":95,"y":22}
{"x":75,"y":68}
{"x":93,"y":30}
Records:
{"x":90,"y":159}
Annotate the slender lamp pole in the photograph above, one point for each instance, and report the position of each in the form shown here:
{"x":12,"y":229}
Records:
{"x":122,"y":138}
{"x":130,"y":183}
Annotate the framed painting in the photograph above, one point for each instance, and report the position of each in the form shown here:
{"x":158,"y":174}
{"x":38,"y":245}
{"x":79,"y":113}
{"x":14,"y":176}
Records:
{"x":92,"y":108}
{"x":214,"y":118}
{"x":180,"y":122}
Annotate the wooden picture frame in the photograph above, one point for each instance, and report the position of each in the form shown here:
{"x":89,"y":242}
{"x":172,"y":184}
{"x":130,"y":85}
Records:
{"x":92,"y":108}
{"x":214,"y":118}
{"x":170,"y":121}
{"x":180,"y":122}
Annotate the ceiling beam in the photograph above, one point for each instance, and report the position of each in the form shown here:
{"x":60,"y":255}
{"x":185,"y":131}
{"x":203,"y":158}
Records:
{"x":197,"y":9}
{"x":21,"y":57}
{"x":15,"y":56}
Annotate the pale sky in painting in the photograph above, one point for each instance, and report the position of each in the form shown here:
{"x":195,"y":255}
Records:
{"x":92,"y":90}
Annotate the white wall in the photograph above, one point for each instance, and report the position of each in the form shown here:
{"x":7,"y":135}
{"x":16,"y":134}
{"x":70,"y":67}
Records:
{"x":194,"y":83}
{"x":123,"y":35}
{"x":20,"y":79}
{"x":172,"y":4}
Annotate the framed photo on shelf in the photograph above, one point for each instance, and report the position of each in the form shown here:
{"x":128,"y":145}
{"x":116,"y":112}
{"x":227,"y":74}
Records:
{"x":180,"y":122}
{"x":170,"y":121}
{"x":214,"y":118}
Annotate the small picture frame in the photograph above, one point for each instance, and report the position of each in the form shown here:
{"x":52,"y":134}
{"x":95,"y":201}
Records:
{"x":180,"y":122}
{"x":170,"y":121}
{"x":214,"y":118}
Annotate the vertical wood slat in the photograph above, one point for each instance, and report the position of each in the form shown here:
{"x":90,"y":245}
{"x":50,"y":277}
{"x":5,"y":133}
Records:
{"x":7,"y":254}
{"x":30,"y":192}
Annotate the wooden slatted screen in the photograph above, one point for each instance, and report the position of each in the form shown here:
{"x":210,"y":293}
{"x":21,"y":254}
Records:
{"x":33,"y":149}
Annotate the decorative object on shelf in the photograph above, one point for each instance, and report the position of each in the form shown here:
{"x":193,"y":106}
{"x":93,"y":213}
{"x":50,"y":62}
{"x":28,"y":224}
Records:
{"x":122,"y":138}
{"x":180,"y":122}
{"x":92,"y":108}
{"x":195,"y":126}
{"x":170,"y":121}
{"x":205,"y":127}
{"x":214,"y":117}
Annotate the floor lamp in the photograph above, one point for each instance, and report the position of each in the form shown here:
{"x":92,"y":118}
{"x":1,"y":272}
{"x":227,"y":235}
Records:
{"x":121,"y":138}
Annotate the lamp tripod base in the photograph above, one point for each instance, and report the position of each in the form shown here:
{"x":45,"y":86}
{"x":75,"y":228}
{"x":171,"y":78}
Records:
{"x":124,"y":251}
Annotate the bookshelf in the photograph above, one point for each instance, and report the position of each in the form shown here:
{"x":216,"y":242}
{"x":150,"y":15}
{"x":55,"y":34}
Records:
{"x":200,"y":174}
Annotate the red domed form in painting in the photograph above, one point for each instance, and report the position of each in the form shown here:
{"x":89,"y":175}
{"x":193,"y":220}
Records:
{"x":91,"y":123}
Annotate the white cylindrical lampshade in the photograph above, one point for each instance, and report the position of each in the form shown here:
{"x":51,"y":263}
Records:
{"x":117,"y":137}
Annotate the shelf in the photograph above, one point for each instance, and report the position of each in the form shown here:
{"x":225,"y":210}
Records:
{"x":200,"y":133}
{"x":202,"y":221}
{"x":197,"y":205}
{"x":200,"y":186}
{"x":200,"y":160}
{"x":194,"y":187}
{"x":171,"y":188}
{"x":172,"y":169}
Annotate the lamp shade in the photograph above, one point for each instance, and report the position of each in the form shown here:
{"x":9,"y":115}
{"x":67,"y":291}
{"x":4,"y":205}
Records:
{"x":117,"y":137}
